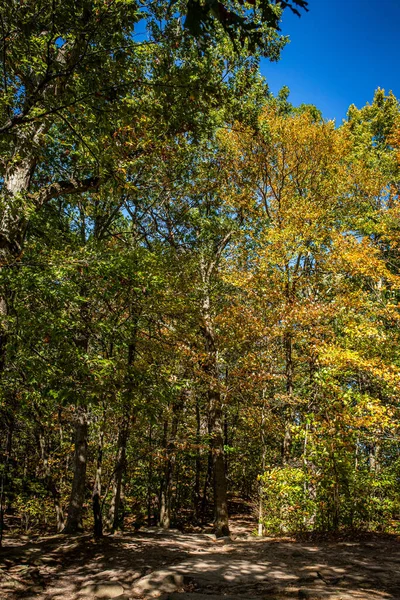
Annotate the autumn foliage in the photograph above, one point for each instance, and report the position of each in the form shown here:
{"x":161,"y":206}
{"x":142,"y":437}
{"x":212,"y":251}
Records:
{"x":199,"y":282}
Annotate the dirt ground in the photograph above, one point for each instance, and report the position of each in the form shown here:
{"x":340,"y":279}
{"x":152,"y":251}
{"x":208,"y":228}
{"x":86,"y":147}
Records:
{"x":195,"y":566}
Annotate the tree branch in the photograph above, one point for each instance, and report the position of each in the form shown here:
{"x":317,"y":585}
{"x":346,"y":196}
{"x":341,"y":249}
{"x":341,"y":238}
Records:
{"x":61,"y":188}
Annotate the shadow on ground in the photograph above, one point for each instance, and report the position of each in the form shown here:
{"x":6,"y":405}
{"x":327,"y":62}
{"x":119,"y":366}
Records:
{"x":196,"y":566}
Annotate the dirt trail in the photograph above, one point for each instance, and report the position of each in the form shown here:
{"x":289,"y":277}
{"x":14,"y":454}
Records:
{"x":194,"y":566}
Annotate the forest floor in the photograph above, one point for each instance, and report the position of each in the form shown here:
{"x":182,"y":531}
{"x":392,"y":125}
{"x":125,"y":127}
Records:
{"x":195,"y":566}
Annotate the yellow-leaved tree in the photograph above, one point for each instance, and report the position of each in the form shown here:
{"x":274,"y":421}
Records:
{"x":311,"y":313}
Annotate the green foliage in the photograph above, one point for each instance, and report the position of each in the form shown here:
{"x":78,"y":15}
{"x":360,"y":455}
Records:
{"x":199,"y":271}
{"x":287,"y":505}
{"x":332,"y":496}
{"x":246,"y":23}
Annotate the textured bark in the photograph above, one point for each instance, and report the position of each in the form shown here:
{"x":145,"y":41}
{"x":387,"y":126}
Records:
{"x":5,"y":475}
{"x":287,"y":442}
{"x":51,"y":484}
{"x":221,"y":519}
{"x":59,"y":510}
{"x":373,"y":458}
{"x":166,"y":488}
{"x":150,"y":475}
{"x":207,"y":482}
{"x":287,"y":438}
{"x":3,"y":332}
{"x":114,"y":517}
{"x":196,"y":493}
{"x":96,"y":505}
{"x":74,"y":519}
{"x":217,"y":444}
{"x":16,"y":185}
{"x":260,"y":530}
{"x":163,"y":521}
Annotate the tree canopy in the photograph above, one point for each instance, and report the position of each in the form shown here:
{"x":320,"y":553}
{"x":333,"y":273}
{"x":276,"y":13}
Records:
{"x":199,"y":282}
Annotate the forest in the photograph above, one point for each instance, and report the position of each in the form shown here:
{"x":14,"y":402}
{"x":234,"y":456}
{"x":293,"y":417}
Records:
{"x":199,"y":281}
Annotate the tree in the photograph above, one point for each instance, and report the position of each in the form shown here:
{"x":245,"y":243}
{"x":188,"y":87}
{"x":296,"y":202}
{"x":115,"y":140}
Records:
{"x":306,"y":272}
{"x":251,"y":23}
{"x":74,"y":80}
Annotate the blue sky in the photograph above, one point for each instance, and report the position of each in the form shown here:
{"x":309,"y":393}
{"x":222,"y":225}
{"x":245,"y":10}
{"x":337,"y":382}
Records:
{"x":339,"y":53}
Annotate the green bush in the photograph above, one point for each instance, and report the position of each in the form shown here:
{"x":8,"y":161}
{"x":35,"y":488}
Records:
{"x":296,"y":500}
{"x":287,"y":503}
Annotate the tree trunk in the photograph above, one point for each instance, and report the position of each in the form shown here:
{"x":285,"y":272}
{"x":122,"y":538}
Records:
{"x":96,"y":505}
{"x":17,"y":181}
{"x":114,"y":517}
{"x":287,"y":438}
{"x":59,"y":510}
{"x":287,"y":442}
{"x":260,"y":530}
{"x":3,"y":333}
{"x":5,"y":475}
{"x":163,"y":477}
{"x":74,"y":519}
{"x":150,"y":475}
{"x":207,"y":480}
{"x":115,"y":520}
{"x":166,"y":494}
{"x":373,"y":457}
{"x":50,"y":483}
{"x":196,"y":494}
{"x":221,"y":520}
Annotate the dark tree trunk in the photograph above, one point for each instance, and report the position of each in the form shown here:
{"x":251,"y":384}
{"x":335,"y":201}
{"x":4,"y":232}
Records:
{"x":77,"y":498}
{"x":219,"y":475}
{"x":226,"y":441}
{"x":50,"y":483}
{"x":207,"y":481}
{"x":96,"y":504}
{"x":150,"y":476}
{"x":221,"y":519}
{"x":4,"y":482}
{"x":3,"y":333}
{"x":260,"y":530}
{"x":114,"y":517}
{"x":196,"y":494}
{"x":166,"y":491}
{"x":287,"y":438}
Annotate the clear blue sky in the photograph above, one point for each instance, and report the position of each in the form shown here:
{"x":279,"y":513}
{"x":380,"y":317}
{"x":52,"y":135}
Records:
{"x":339,"y":53}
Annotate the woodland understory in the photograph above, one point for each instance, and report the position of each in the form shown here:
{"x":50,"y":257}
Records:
{"x":199,"y":283}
